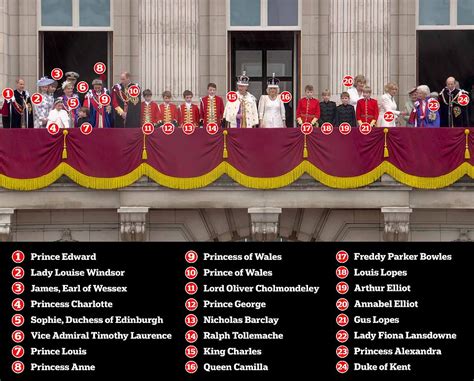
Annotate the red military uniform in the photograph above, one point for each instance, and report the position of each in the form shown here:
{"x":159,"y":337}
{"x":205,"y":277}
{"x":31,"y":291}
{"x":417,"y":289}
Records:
{"x":150,"y":113}
{"x":211,"y":110}
{"x":367,"y":111}
{"x":308,"y":111}
{"x":189,"y":115}
{"x":168,"y":113}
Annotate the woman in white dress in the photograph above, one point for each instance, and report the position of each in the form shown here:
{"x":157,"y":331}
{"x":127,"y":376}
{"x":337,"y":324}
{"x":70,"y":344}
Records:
{"x":271,"y":109}
{"x":58,"y":115}
{"x":388,"y":103}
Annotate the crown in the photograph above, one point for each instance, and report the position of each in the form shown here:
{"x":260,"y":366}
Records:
{"x":243,"y":80}
{"x":273,"y":82}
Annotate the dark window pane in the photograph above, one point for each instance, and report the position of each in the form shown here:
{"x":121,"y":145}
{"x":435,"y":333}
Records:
{"x":56,"y":12}
{"x":283,"y":12}
{"x":244,"y":12}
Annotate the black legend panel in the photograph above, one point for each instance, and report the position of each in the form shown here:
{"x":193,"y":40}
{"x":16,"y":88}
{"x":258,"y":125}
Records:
{"x":235,"y":311}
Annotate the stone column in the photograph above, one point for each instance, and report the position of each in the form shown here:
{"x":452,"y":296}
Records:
{"x":3,"y":44}
{"x":396,"y":223}
{"x":359,"y":42}
{"x":133,"y":222}
{"x":169,"y":45}
{"x":6,"y":218}
{"x":264,"y":223}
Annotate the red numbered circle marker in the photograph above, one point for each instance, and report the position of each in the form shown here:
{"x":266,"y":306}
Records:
{"x":18,"y":320}
{"x":342,"y":336}
{"x":18,"y":272}
{"x":188,"y":128}
{"x":53,"y":128}
{"x":18,"y":288}
{"x":191,"y":367}
{"x":345,"y":128}
{"x":18,"y":367}
{"x":191,"y":256}
{"x":82,"y":87}
{"x":18,"y":352}
{"x":100,"y":68}
{"x":342,"y":320}
{"x":191,"y":272}
{"x":342,"y":288}
{"x":232,"y":96}
{"x":191,"y":304}
{"x":342,"y":367}
{"x":191,"y":288}
{"x":342,"y":304}
{"x":148,"y":128}
{"x":191,"y":320}
{"x":73,"y":103}
{"x":86,"y":128}
{"x":342,"y":272}
{"x":463,"y":99}
{"x":212,"y":128}
{"x":191,"y":336}
{"x":286,"y":97}
{"x":389,"y":116}
{"x":56,"y":74}
{"x":37,"y":99}
{"x":342,"y":256}
{"x":348,"y":81}
{"x":342,"y":351}
{"x":105,"y":99}
{"x":168,"y":128}
{"x":327,"y":128}
{"x":7,"y":93}
{"x":191,"y":351}
{"x":134,"y":91}
{"x":433,"y":105}
{"x":307,"y":128}
{"x":365,"y":128}
{"x":18,"y":256}
{"x":18,"y":304}
{"x":18,"y":336}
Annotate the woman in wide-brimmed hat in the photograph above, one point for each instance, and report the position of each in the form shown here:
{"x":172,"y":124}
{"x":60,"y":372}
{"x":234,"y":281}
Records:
{"x":41,"y":111}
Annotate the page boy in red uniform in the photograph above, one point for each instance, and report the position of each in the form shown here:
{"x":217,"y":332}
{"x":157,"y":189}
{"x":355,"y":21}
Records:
{"x":211,"y":108}
{"x":188,"y":112}
{"x":168,"y":111}
{"x":150,"y":112}
{"x":308,"y":110}
{"x":367,"y":110}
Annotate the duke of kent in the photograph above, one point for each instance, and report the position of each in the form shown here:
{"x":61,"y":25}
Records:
{"x":452,"y":113}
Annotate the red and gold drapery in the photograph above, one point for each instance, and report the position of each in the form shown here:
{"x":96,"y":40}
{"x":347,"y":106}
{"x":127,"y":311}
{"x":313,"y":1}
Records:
{"x":254,"y":158}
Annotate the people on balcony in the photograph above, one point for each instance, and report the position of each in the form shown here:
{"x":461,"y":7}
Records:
{"x":271,"y":109}
{"x":128,"y":110}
